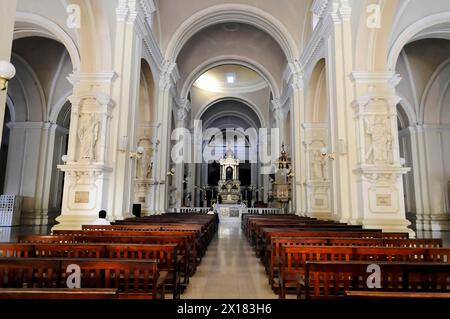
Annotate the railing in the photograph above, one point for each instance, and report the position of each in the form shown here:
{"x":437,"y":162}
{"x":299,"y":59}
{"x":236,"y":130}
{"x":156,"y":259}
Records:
{"x":188,"y":210}
{"x":252,"y":211}
{"x":262,"y":211}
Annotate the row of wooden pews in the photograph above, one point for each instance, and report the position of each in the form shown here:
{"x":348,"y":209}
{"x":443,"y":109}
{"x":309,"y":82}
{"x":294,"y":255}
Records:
{"x":315,"y":259}
{"x":138,"y":258}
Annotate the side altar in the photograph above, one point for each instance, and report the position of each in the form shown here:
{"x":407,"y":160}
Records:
{"x":229,"y":188}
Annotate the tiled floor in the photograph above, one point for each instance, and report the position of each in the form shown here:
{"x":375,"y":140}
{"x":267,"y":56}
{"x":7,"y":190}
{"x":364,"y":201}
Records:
{"x":229,"y":270}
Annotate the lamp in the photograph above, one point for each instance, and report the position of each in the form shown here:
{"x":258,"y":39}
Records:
{"x":138,"y":154}
{"x":7,"y":72}
{"x":64,"y":158}
{"x":171,"y":172}
{"x":325,"y":154}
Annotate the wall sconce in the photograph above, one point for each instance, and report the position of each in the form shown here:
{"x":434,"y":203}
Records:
{"x":7,"y":72}
{"x":290,"y":174}
{"x":64,"y":158}
{"x":138,"y":154}
{"x":171,"y":172}
{"x":325,"y":154}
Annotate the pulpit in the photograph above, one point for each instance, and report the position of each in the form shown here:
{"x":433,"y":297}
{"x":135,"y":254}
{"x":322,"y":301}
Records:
{"x":282,"y":182}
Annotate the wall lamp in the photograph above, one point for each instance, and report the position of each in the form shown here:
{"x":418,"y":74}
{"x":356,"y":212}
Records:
{"x":171,"y":172}
{"x":7,"y":72}
{"x":325,"y":154}
{"x":138,"y":154}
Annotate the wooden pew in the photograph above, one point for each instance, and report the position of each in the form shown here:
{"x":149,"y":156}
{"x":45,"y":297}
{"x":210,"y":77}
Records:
{"x":331,"y":280}
{"x":294,"y":259}
{"x":165,"y":255}
{"x":183,"y":251}
{"x":276,"y":244}
{"x":261,"y":247}
{"x":390,"y":295}
{"x":134,"y":279}
{"x":58,"y":294}
{"x":188,"y":238}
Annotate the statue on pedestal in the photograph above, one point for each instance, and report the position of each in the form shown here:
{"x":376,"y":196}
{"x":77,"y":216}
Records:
{"x":88,"y":136}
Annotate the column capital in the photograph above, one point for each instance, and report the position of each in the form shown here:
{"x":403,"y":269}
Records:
{"x":279,"y":109}
{"x":169,"y":75}
{"x":293,"y":74}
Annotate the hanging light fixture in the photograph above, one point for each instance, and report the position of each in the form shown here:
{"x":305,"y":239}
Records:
{"x":7,"y":72}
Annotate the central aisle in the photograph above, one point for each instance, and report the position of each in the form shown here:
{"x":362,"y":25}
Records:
{"x":229,"y":270}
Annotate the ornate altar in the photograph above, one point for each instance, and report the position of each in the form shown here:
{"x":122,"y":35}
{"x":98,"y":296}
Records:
{"x":281,"y":191}
{"x":229,"y":188}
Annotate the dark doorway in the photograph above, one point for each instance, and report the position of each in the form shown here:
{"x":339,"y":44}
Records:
{"x":4,"y":150}
{"x":245,"y":173}
{"x":213,"y":173}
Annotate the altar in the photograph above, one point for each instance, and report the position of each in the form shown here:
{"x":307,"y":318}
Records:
{"x":230,"y":212}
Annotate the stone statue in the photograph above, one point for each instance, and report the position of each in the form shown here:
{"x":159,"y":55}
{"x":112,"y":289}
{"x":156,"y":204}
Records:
{"x":318,"y":166}
{"x":145,"y":165}
{"x":381,"y":141}
{"x":88,"y":136}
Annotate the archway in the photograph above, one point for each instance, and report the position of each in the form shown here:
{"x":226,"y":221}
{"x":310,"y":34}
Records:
{"x":39,"y":126}
{"x":317,"y":130}
{"x":145,"y":133}
{"x":424,"y":65}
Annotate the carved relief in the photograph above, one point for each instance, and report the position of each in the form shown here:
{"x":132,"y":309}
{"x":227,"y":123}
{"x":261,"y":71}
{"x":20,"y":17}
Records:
{"x":380,"y":146}
{"x":88,"y":135}
{"x":318,"y":166}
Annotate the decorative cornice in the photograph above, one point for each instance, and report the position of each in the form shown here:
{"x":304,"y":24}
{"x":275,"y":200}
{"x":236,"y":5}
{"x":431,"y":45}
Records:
{"x":25,"y":125}
{"x":364,"y":100}
{"x":102,"y":77}
{"x":391,"y":78}
{"x":85,"y":168}
{"x":310,"y":126}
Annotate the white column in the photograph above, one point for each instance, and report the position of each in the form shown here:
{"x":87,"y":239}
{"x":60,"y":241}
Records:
{"x":380,"y":185}
{"x":339,"y":64}
{"x":298,"y":158}
{"x":165,"y":96}
{"x":130,"y":28}
{"x":89,"y":165}
{"x":181,"y":117}
{"x":430,"y":168}
{"x":8,"y":10}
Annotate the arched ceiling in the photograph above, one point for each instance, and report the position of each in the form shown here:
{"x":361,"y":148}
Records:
{"x":423,"y":66}
{"x":230,"y":79}
{"x":292,"y":14}
{"x":230,"y":114}
{"x":237,"y":40}
{"x":43,"y":66}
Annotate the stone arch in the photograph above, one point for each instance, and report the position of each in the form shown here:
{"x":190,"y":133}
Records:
{"x":409,"y":34}
{"x":316,"y":106}
{"x":30,"y":24}
{"x":223,"y":60}
{"x":235,"y":13}
{"x":242,"y":100}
